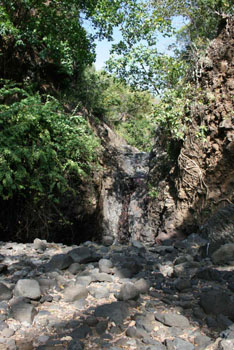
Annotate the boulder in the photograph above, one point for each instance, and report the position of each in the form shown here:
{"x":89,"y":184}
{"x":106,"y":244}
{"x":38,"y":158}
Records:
{"x":59,"y":261}
{"x":217,"y":302}
{"x":83,"y":255}
{"x":27,"y":288}
{"x":22,"y":311}
{"x":173,"y":320}
{"x":224,"y":255}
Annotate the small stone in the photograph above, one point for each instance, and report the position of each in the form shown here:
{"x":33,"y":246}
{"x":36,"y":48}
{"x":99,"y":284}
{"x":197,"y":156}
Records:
{"x":116,"y":311}
{"x":179,"y":344}
{"x":83,"y":280}
{"x":134,"y":332}
{"x":105,"y":265}
{"x":75,"y":268}
{"x":101,"y":277}
{"x":127,"y":292}
{"x":173,"y":320}
{"x":201,"y":341}
{"x":82,"y":255}
{"x":182,"y":284}
{"x":166,"y":270}
{"x":46,"y":298}
{"x":80,"y":304}
{"x":5,"y":292}
{"x":146,"y":322}
{"x":59,"y":261}
{"x":76,"y":292}
{"x":142,"y":286}
{"x":107,"y":240}
{"x":81,"y":332}
{"x":91,"y":321}
{"x":22,"y":311}
{"x":42,"y":339}
{"x":38,"y":244}
{"x":3,"y":325}
{"x":75,"y":345}
{"x":99,"y":292}
{"x":101,"y":327}
{"x":137,"y":244}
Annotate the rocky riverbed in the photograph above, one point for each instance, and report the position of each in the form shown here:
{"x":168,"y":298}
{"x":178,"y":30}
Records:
{"x":113,"y":297}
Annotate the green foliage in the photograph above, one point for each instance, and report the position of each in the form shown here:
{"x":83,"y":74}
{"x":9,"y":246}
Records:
{"x":152,"y":191}
{"x":51,"y":29}
{"x":43,"y":151}
{"x":128,"y":111}
{"x":170,"y":112}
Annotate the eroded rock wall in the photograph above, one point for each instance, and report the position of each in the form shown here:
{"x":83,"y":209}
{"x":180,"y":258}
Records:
{"x":123,"y":201}
{"x":200,"y":178}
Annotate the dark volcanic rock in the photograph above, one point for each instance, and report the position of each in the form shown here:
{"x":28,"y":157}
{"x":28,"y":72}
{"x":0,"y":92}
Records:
{"x":75,"y":344}
{"x":209,"y":274}
{"x":220,"y":227}
{"x":83,"y":255}
{"x":116,"y":311}
{"x":59,"y":261}
{"x":217,"y":302}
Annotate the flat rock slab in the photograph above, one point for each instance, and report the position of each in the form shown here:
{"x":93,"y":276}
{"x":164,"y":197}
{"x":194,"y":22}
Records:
{"x":173,"y":320}
{"x":179,"y":344}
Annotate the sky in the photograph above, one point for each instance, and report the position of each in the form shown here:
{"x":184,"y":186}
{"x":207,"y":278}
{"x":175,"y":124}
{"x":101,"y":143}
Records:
{"x":103,"y":47}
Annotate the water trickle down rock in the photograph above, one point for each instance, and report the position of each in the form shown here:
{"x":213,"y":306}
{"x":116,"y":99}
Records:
{"x":124,"y":194}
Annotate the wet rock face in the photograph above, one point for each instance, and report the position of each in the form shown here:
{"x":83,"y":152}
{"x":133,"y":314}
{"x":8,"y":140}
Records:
{"x":124,"y":197}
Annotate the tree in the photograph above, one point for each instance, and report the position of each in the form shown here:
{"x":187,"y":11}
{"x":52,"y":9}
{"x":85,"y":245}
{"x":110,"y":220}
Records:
{"x":136,"y":59}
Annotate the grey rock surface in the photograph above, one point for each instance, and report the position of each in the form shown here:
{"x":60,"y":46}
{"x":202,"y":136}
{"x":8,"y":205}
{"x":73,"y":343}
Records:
{"x":27,"y":288}
{"x":76,"y":292}
{"x":5,"y":292}
{"x":173,"y":320}
{"x":128,"y":292}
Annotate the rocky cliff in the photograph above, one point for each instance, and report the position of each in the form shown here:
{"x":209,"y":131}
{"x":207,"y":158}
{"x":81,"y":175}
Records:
{"x":200,"y":178}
